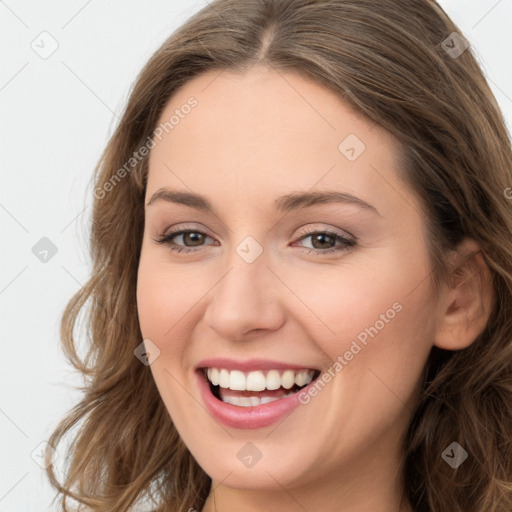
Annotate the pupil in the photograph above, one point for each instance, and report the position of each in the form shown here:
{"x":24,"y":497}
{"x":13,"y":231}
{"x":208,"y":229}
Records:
{"x":319,"y":237}
{"x":197,"y":236}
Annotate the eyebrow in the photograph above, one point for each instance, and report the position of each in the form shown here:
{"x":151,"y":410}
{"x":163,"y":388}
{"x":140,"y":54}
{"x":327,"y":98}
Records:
{"x":286,"y":203}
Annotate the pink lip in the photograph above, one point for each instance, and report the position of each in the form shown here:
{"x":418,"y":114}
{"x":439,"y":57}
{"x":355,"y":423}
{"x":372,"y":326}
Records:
{"x":246,"y":417}
{"x":249,"y":365}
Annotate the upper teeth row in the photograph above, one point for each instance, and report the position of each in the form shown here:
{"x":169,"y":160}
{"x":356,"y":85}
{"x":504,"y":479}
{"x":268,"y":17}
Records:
{"x":257,"y":380}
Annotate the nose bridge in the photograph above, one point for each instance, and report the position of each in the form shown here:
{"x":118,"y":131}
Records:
{"x":244,"y":299}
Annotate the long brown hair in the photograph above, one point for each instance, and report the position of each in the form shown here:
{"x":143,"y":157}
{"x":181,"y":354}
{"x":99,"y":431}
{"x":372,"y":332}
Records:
{"x":394,"y":62}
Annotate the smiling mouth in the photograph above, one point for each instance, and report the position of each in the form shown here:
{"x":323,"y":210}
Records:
{"x":250,"y":389}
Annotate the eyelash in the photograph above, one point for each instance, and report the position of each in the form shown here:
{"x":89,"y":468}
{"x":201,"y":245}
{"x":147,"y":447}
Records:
{"x":347,"y":243}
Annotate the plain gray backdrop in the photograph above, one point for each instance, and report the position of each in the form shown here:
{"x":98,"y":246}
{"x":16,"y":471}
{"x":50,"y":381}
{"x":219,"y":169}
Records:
{"x":66,"y":71}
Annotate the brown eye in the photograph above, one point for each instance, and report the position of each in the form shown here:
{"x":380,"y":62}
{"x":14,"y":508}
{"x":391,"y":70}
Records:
{"x":192,"y":238}
{"x":322,"y":241}
{"x":326,"y":242}
{"x":184,"y":240}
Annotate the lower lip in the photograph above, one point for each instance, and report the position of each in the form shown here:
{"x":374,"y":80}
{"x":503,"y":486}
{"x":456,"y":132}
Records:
{"x":247,"y":417}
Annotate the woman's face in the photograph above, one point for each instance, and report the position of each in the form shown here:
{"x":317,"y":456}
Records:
{"x":271,"y":280}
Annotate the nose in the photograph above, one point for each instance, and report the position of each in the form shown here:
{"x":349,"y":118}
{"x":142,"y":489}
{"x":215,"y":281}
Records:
{"x":247,"y":300}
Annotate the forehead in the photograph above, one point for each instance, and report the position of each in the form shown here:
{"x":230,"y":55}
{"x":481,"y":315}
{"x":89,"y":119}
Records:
{"x":265,"y":131}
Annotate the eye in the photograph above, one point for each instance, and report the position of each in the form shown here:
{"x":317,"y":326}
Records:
{"x":191,"y":238}
{"x":322,"y":241}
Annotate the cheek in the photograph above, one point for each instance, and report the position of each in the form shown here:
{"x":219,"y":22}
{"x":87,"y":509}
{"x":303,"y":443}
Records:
{"x":376,"y":329}
{"x":163,"y":303}
{"x":165,"y":296}
{"x":165,"y":300}
{"x":371,"y":314}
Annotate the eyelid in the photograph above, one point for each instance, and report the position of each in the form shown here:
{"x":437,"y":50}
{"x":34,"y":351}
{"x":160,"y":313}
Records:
{"x":322,"y":229}
{"x":186,"y":227}
{"x":345,"y":243}
{"x":303,"y":231}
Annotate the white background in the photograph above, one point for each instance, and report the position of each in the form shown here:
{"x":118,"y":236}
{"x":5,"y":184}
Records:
{"x":55,"y":119}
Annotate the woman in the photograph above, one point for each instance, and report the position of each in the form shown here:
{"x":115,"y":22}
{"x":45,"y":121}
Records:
{"x":302,"y":272}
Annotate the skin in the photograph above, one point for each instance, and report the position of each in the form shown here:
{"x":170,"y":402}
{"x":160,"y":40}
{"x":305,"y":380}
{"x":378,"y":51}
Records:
{"x":252,"y":138}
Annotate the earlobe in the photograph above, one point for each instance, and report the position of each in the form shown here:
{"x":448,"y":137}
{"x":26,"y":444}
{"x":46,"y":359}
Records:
{"x":468,"y":299}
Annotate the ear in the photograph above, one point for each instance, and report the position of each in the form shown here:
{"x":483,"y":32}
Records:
{"x":467,"y":299}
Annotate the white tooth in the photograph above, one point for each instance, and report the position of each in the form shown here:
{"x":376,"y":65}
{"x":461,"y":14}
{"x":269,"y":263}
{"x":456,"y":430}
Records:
{"x":245,"y":401}
{"x":309,"y":376}
{"x":213,"y":375}
{"x":303,"y":377}
{"x":267,"y":399}
{"x":273,"y":380}
{"x":236,"y":380}
{"x":240,"y":401}
{"x":256,"y":381}
{"x":233,"y":400}
{"x":288,"y":379}
{"x":224,"y":378}
{"x":255,"y":401}
{"x":300,"y":377}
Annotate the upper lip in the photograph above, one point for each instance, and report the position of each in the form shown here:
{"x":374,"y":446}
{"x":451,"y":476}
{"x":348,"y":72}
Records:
{"x":250,"y":364}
